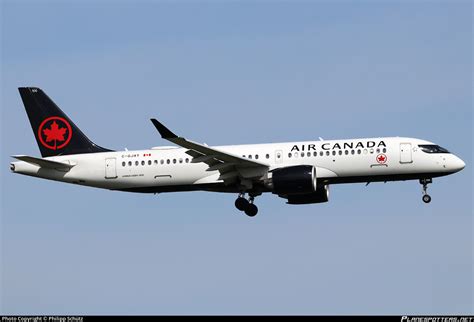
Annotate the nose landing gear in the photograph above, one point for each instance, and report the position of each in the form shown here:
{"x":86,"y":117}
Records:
{"x":246,"y":206}
{"x":426,"y":197}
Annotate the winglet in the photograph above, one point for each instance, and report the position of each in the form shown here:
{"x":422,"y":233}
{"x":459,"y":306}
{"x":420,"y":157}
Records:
{"x":165,"y":133}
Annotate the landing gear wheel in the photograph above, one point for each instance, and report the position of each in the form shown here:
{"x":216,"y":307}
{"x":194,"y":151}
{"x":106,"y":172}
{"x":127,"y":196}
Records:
{"x":251,"y":210}
{"x":245,"y":205}
{"x":241,"y":203}
{"x":426,"y":198}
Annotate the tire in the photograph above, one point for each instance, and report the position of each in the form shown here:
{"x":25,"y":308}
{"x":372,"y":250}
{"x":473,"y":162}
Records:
{"x":251,"y":210}
{"x":241,"y":203}
{"x":426,"y":199}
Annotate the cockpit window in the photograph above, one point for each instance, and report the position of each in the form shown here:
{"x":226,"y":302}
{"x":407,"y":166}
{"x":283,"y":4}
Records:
{"x":432,"y":148}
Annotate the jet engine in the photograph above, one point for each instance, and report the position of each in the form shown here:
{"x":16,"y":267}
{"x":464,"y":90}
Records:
{"x":293,"y":180}
{"x":319,"y":196}
{"x":298,"y":184}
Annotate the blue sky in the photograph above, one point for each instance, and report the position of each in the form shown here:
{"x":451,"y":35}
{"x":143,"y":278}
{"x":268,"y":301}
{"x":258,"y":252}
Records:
{"x":231,"y":73}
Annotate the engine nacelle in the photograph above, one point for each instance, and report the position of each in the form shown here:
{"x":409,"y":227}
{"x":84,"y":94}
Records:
{"x":320,"y":195}
{"x":295,"y":180}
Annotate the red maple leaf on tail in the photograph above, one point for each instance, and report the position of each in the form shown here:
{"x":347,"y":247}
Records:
{"x":54,"y":133}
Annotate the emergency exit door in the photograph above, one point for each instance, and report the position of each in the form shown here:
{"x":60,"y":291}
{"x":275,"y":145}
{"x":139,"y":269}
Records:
{"x":110,"y":168}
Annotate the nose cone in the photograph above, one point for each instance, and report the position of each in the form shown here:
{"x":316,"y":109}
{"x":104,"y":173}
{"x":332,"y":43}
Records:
{"x":457,"y":164}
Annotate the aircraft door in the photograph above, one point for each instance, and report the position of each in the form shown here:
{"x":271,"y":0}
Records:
{"x":110,"y":168}
{"x":405,"y":153}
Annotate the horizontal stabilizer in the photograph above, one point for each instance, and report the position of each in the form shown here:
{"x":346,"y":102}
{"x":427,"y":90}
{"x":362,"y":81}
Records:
{"x":42,"y":163}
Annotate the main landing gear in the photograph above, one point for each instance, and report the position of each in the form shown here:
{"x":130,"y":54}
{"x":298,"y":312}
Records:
{"x":246,"y":206}
{"x":426,"y":197}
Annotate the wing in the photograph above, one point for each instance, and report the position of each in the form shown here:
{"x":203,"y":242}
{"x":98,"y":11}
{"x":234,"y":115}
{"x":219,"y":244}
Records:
{"x":231,"y":167}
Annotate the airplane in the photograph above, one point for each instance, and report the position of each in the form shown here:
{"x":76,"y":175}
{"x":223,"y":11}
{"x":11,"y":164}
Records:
{"x":300,"y":172}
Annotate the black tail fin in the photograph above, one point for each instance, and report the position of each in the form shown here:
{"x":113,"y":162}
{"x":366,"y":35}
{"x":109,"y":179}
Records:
{"x":55,"y":133}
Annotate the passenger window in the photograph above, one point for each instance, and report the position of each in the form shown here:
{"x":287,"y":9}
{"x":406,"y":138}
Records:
{"x":378,"y":150}
{"x":267,"y":156}
{"x":149,"y":162}
{"x":174,"y":160}
{"x":250,"y":156}
{"x":187,"y":160}
{"x":136,"y":162}
{"x":371,"y":151}
{"x":143,"y":162}
{"x":302,"y":154}
{"x":162,"y":161}
{"x":296,"y":154}
{"x":180,"y":160}
{"x":346,"y":152}
{"x":352,"y":152}
{"x":359,"y":151}
{"x":278,"y":155}
{"x":168,"y":161}
{"x":340,"y":152}
{"x":334,"y":152}
{"x":384,"y":150}
{"x":156,"y":161}
{"x":256,"y":156}
{"x":365,"y":151}
{"x":321,"y":153}
{"x":123,"y":164}
{"x":130,"y":163}
{"x":315,"y":153}
{"x":308,"y":154}
{"x":289,"y":155}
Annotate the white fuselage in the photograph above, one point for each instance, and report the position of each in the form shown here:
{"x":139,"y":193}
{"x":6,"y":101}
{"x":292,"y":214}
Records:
{"x":168,"y":169}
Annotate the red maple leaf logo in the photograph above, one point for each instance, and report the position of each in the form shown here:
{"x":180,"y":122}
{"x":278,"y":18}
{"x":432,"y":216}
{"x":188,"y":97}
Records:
{"x":60,"y":133}
{"x":54,"y":133}
{"x":381,"y":158}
